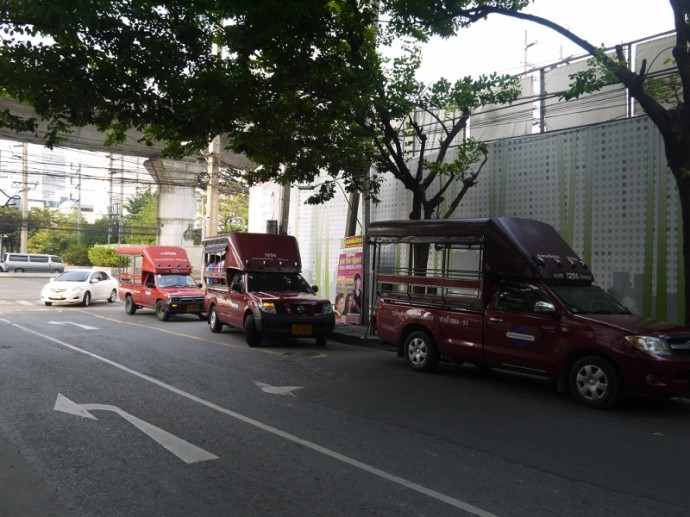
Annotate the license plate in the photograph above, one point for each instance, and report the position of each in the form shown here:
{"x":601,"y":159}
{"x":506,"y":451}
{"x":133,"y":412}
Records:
{"x":193,"y":308}
{"x":301,"y":329}
{"x":57,"y":297}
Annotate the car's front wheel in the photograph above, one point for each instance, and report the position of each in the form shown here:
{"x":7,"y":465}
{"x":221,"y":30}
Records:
{"x":213,"y":322}
{"x":113,"y":296}
{"x":251,"y":334}
{"x":161,"y":312}
{"x":86,"y":301}
{"x":18,"y":270}
{"x":130,"y":306}
{"x":594,"y":382}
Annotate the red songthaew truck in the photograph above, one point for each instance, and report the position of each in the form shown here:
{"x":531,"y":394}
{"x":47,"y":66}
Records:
{"x":159,"y":278}
{"x":253,"y":282}
{"x":510,"y":293}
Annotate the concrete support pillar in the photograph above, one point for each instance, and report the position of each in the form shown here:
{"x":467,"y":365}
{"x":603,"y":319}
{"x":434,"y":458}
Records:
{"x":176,"y":200}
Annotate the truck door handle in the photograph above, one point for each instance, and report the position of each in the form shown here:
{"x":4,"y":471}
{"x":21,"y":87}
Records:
{"x":495,"y":320}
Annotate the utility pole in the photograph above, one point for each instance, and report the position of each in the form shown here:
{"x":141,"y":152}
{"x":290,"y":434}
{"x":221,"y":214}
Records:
{"x":212,"y":161}
{"x":24,"y":235}
{"x":121,"y":205}
{"x":78,"y":201}
{"x":110,"y":199}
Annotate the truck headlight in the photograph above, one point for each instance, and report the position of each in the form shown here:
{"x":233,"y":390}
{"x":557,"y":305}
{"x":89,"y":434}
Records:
{"x":268,"y":307}
{"x":327,"y":308}
{"x":651,"y":345}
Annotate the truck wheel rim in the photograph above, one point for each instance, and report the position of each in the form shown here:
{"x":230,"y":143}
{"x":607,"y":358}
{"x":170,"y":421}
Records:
{"x":592,"y":382}
{"x":417,"y":352}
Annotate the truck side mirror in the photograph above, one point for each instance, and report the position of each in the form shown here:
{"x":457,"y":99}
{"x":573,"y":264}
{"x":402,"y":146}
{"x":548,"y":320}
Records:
{"x":544,"y":308}
{"x":315,"y":288}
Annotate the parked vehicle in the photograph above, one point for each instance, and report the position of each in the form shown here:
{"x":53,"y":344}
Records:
{"x":510,"y":293}
{"x":158,"y":278}
{"x":32,"y":263}
{"x":253,"y":282}
{"x":80,"y":286}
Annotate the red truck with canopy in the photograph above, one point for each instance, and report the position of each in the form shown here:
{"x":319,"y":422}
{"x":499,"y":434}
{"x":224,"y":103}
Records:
{"x":158,"y":278}
{"x":253,"y":282}
{"x":510,"y":293}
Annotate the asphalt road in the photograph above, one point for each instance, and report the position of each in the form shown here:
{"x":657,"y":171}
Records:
{"x":102,"y":413}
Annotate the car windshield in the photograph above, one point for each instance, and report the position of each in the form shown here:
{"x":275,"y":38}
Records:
{"x":588,"y":299}
{"x":176,"y":281}
{"x":278,"y":282}
{"x":73,"y":276}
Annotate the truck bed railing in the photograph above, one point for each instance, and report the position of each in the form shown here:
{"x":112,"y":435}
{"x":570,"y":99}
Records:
{"x":455,"y":287}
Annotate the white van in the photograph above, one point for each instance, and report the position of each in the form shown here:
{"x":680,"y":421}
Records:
{"x":31,"y":262}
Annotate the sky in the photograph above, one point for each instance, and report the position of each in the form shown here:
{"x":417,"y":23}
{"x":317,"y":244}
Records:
{"x":497,"y":44}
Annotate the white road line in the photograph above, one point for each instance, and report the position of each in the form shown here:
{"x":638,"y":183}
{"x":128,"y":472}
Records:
{"x":275,"y":431}
{"x":24,"y":302}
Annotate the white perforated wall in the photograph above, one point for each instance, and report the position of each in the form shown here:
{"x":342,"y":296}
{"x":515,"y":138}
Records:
{"x":605,"y":188}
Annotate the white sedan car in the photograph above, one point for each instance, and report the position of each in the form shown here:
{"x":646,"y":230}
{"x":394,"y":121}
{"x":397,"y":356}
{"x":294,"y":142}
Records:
{"x":80,"y":286}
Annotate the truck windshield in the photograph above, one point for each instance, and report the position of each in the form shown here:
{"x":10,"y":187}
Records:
{"x":588,"y":299}
{"x":175,"y":281}
{"x":277,"y":282}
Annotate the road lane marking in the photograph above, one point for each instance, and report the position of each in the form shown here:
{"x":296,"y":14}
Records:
{"x":277,"y":390}
{"x":179,"y":334}
{"x":184,"y":450}
{"x":85,"y":327}
{"x":275,"y":431}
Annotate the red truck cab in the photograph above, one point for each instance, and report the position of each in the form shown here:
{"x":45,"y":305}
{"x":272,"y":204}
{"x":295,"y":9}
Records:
{"x":158,"y":278}
{"x":510,"y":293}
{"x":253,"y":282}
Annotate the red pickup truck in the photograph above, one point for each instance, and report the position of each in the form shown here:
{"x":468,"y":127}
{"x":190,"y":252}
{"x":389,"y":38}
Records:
{"x":253,"y":282}
{"x":158,"y":278}
{"x":510,"y":293}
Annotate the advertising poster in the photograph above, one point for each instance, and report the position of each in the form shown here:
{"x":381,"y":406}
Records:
{"x":349,"y":284}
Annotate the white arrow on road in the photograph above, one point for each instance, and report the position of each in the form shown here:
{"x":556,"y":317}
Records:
{"x":277,"y":390}
{"x":85,"y":327}
{"x":184,"y":450}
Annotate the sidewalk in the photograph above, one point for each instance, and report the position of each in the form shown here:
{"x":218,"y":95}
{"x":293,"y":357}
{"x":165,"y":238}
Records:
{"x":357,"y":335}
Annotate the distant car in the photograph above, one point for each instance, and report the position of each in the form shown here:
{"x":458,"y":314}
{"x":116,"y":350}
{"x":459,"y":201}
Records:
{"x":80,"y":286}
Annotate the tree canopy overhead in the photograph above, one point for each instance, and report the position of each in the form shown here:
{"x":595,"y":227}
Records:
{"x":298,"y":87}
{"x":282,"y":79}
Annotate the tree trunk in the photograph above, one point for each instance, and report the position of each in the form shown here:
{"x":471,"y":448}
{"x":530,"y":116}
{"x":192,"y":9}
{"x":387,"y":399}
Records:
{"x":683,"y":183}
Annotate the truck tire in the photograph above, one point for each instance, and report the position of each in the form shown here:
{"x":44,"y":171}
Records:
{"x":321,"y":341}
{"x":213,"y":322}
{"x":420,"y":351}
{"x":161,"y":313}
{"x":130,"y":306}
{"x":594,"y":382}
{"x":251,"y":334}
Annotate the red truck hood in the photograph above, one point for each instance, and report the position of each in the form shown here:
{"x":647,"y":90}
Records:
{"x":183,"y":291}
{"x":288,"y":296}
{"x":634,"y":324}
